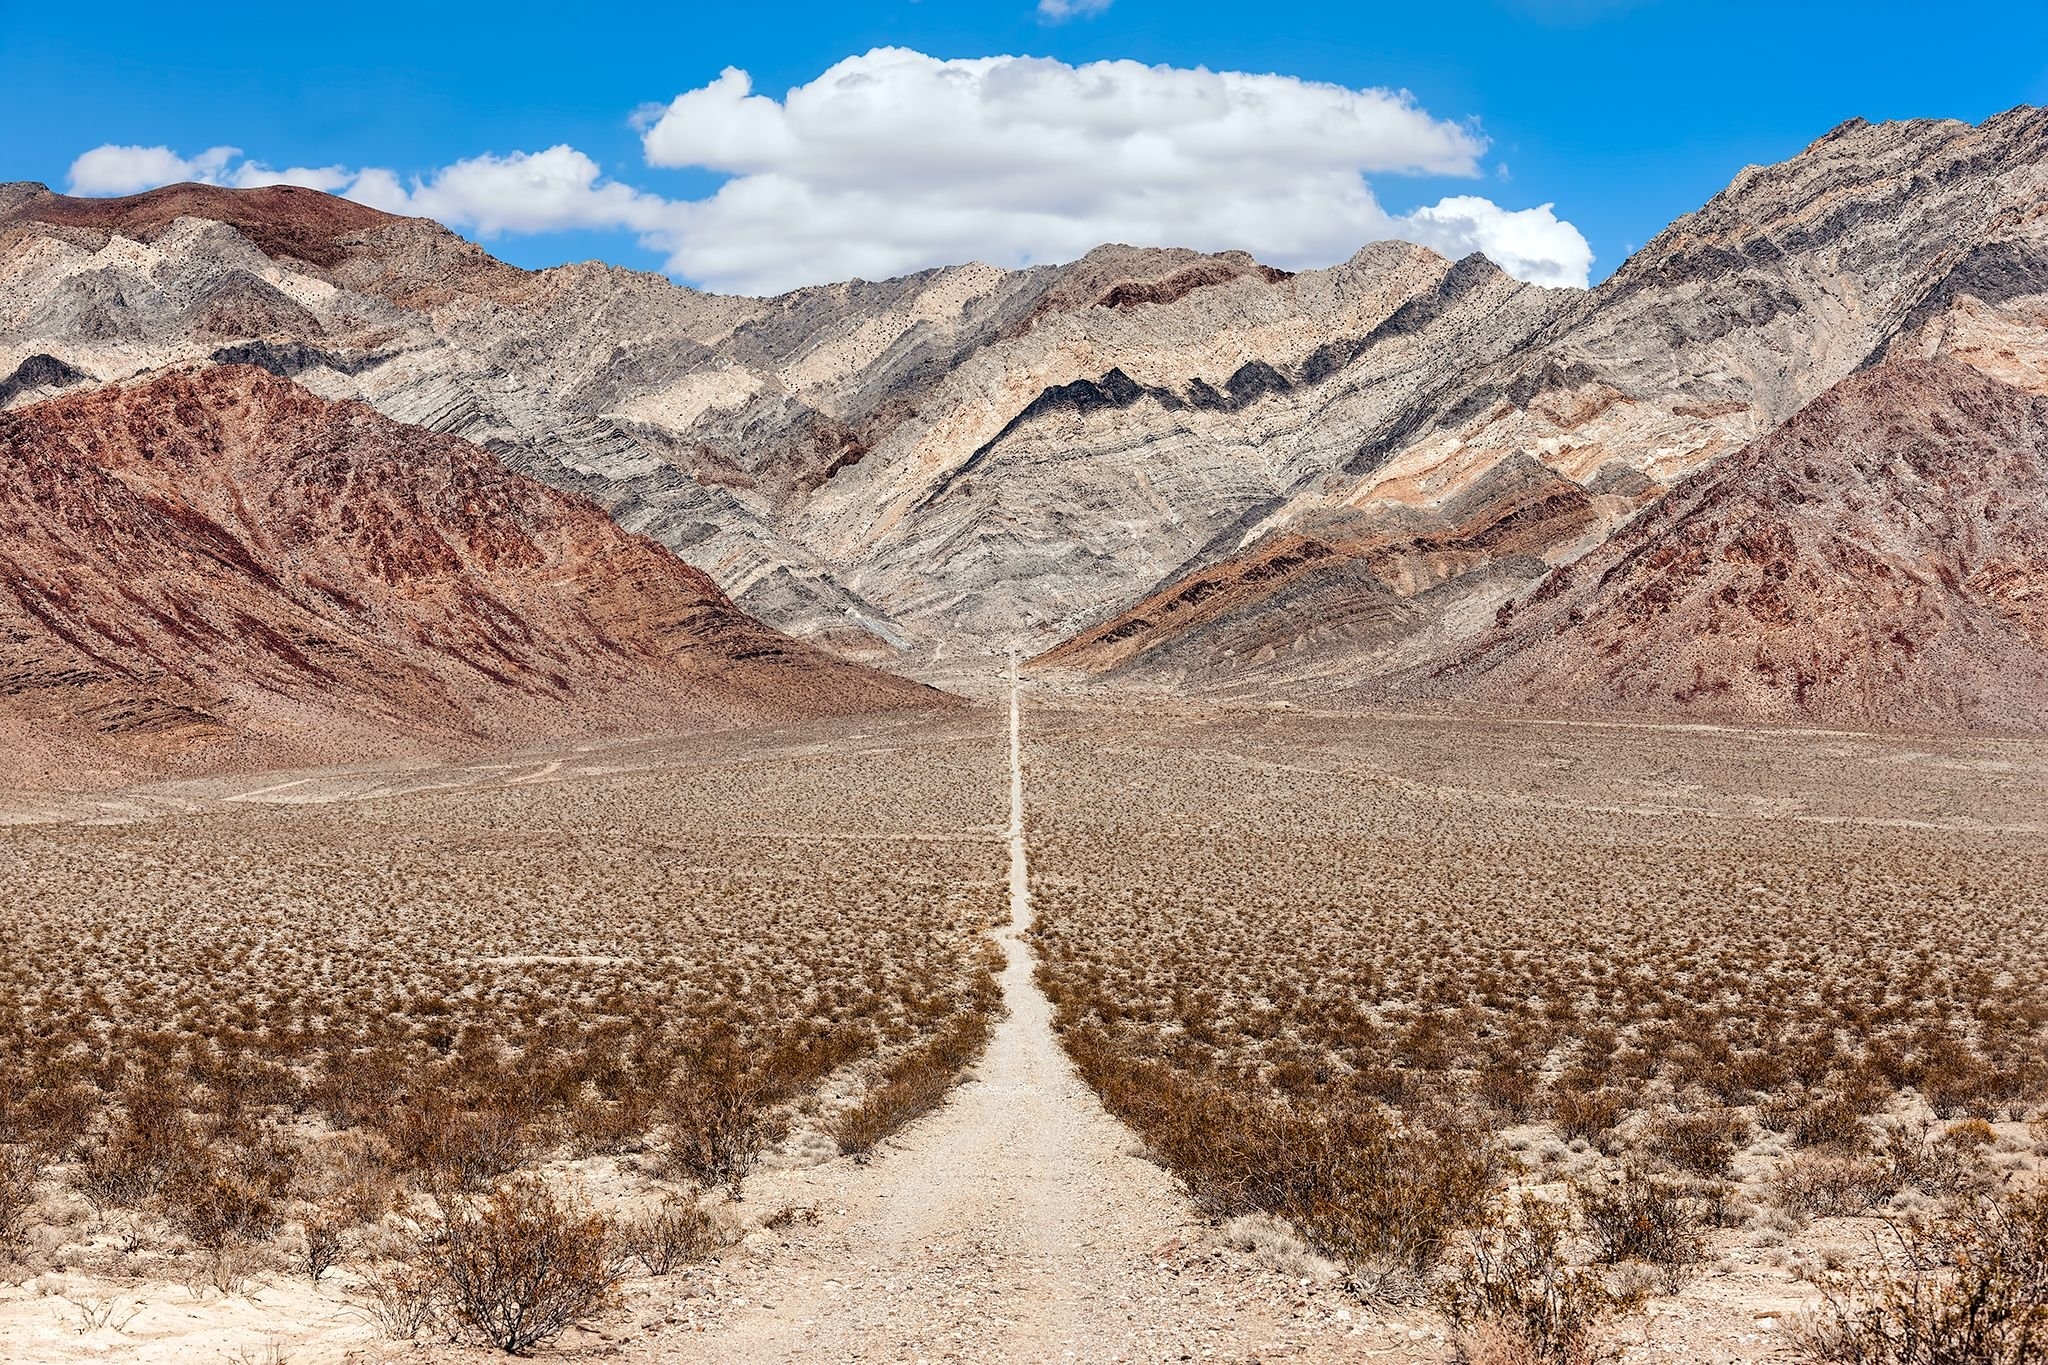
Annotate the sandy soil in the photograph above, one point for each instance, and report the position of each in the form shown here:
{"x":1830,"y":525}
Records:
{"x":1020,"y":1221}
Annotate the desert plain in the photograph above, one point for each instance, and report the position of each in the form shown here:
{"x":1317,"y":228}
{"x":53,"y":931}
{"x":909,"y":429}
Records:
{"x":1781,"y":988}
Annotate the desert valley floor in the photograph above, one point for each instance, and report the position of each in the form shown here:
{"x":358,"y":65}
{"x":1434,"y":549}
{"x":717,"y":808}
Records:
{"x":1402,"y":905}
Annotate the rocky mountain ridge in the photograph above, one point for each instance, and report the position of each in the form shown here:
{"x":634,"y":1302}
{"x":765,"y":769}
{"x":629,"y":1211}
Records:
{"x":1880,"y":558}
{"x":1157,"y":465}
{"x":1880,"y":240}
{"x":216,"y":568}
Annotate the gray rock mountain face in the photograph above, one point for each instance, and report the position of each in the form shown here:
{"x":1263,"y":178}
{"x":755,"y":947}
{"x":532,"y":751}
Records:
{"x":970,"y":459}
{"x":1925,"y":238}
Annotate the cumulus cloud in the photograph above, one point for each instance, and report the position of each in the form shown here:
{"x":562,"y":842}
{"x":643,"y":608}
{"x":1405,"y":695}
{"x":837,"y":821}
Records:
{"x":113,"y":169}
{"x":1530,"y":244}
{"x":1027,"y":121}
{"x":548,"y":191}
{"x":894,"y":161}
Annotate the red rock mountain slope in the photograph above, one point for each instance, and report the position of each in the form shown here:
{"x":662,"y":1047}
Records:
{"x":284,"y":221}
{"x":1881,"y":559}
{"x":205,"y":568}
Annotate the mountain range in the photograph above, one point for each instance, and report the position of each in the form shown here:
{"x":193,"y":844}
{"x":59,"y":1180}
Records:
{"x":1781,"y":465}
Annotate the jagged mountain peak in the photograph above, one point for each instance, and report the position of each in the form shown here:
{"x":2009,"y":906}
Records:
{"x":1876,"y":560}
{"x":925,"y":468}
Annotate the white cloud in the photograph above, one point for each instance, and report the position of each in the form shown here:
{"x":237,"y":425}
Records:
{"x":1530,"y":244}
{"x":1024,"y":121}
{"x":1054,"y":11}
{"x":893,"y":161}
{"x":112,"y":169}
{"x":548,"y":191}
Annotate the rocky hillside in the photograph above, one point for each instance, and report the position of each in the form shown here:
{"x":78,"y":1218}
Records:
{"x":1155,"y":464}
{"x":1892,"y":239}
{"x":942,"y":464}
{"x":213,"y":567}
{"x":1881,"y":559}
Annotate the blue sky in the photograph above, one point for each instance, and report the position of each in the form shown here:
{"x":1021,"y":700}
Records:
{"x":1621,"y":113}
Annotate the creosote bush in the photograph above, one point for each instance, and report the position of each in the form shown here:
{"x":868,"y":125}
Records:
{"x":436,"y":991}
{"x":324,"y":1240}
{"x":1254,"y":929}
{"x":917,"y":1081}
{"x":1969,"y":1287}
{"x":1702,"y":1144}
{"x":1817,"y":1185}
{"x":522,"y":1266}
{"x":19,"y":1171}
{"x":677,"y":1234}
{"x":715,"y":1111}
{"x":1650,"y":1218}
{"x":1380,"y":1194}
{"x":402,"y":1299}
{"x":1513,"y":1297}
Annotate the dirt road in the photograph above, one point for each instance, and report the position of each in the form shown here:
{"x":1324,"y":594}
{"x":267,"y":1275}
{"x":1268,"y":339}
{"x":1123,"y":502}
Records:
{"x":1018,"y":1223}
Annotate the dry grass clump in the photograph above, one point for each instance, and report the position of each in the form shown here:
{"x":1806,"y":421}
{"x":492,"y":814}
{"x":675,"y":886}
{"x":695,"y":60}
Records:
{"x":286,"y":1024}
{"x":1968,"y":1287}
{"x":1512,"y":1296}
{"x":1315,"y":920}
{"x":915,"y":1083}
{"x":522,"y":1266}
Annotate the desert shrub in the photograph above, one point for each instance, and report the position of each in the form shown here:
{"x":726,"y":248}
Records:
{"x":223,"y":1192}
{"x":353,"y":1175}
{"x":1588,"y":1114}
{"x":19,"y":1171}
{"x":451,"y":1003}
{"x":1512,"y":1297}
{"x":322,"y":1244}
{"x":448,"y":1143}
{"x":1649,"y":1218}
{"x":1385,"y":1195}
{"x":1821,"y":1185}
{"x":49,"y":1108}
{"x":522,"y":1266}
{"x":1382,"y":1194}
{"x":1508,"y":1089}
{"x":1957,"y":1084}
{"x":916,"y":1082}
{"x":1969,"y":1135}
{"x":218,"y":1205}
{"x":1702,"y":1144}
{"x":137,"y":1158}
{"x":1969,"y":1288}
{"x":678,"y":1233}
{"x":1913,"y":1155}
{"x":715,"y":1112}
{"x":1833,"y":1121}
{"x":403,"y":1299}
{"x":1778,"y":1110}
{"x":598,"y":1126}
